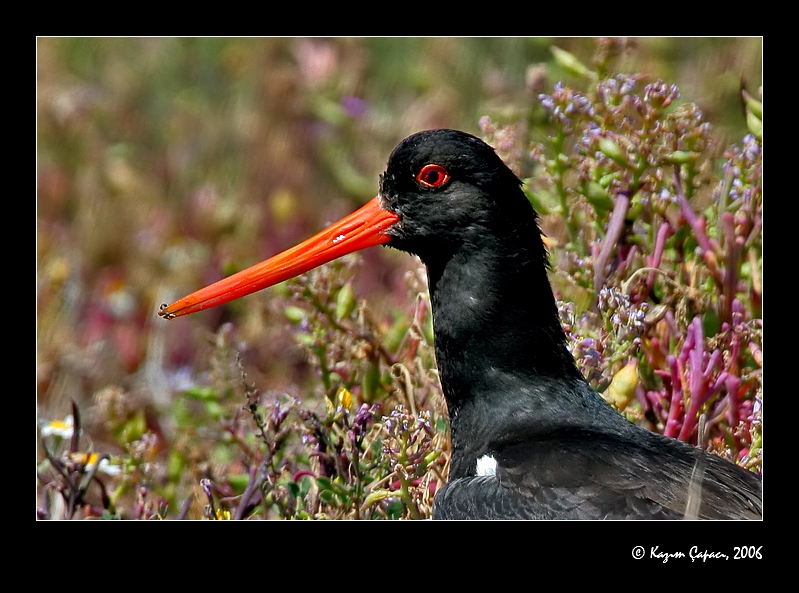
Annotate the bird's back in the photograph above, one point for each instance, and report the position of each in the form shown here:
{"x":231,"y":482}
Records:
{"x":583,"y":474}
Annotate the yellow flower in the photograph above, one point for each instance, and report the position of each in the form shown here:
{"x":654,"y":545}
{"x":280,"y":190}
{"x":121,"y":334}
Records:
{"x":621,"y":390}
{"x":89,"y":460}
{"x":59,"y":428}
{"x":344,"y":397}
{"x":222,"y":515}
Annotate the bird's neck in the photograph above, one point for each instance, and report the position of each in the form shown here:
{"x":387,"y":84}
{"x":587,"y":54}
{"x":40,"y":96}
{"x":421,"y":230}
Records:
{"x":494,"y":311}
{"x":502,"y":357}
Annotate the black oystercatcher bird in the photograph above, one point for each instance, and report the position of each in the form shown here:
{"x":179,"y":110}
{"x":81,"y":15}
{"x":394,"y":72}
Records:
{"x":530,"y":438}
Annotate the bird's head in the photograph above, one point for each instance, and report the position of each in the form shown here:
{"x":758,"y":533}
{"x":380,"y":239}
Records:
{"x":441,"y":189}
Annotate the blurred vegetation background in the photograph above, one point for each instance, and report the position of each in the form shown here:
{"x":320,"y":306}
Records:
{"x":166,"y":163}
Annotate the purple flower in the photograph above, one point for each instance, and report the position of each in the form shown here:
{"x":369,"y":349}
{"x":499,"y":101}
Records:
{"x":354,"y":106}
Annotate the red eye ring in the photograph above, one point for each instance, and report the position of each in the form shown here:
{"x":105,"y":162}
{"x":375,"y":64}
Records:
{"x":432,"y":176}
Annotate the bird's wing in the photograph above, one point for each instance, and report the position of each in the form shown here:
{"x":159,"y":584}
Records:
{"x":580,"y":475}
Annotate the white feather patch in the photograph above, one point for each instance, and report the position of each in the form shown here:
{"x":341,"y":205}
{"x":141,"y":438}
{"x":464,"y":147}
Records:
{"x":486,"y":466}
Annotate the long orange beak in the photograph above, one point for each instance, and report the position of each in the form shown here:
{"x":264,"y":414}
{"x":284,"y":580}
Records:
{"x":361,"y":229}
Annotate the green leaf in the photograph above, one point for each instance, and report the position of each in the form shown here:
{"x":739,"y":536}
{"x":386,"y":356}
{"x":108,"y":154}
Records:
{"x":754,"y":124}
{"x":570,"y":62}
{"x":371,"y":382}
{"x":238,"y":481}
{"x":294,"y":489}
{"x":612,"y":150}
{"x":345,"y":301}
{"x":201,"y":393}
{"x":395,"y":509}
{"x":598,"y":197}
{"x":681,"y":157}
{"x":395,"y":334}
{"x":295,"y":314}
{"x":753,"y":105}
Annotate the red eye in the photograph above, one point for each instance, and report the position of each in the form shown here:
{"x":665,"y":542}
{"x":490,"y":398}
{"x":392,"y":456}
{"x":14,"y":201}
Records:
{"x":432,"y":176}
